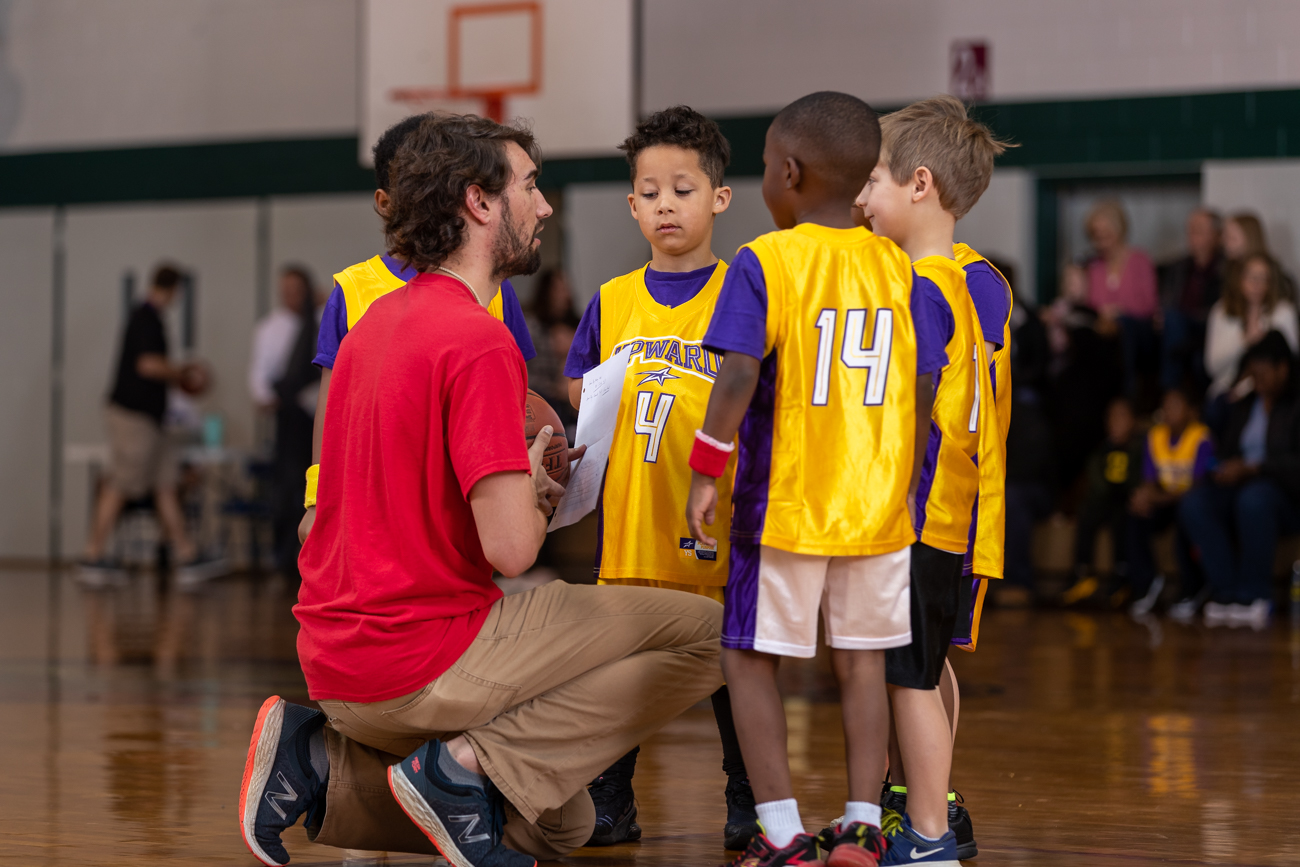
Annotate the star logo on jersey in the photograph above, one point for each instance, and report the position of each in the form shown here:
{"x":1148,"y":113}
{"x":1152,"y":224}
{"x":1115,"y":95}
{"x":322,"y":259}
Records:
{"x":659,"y":376}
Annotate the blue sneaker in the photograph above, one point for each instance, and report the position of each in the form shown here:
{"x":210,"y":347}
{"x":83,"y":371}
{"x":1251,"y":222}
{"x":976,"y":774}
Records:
{"x":465,"y":823}
{"x":908,"y":847}
{"x":279,"y":783}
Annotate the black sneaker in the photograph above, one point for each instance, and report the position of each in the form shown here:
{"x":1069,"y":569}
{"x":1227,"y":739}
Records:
{"x":615,"y":802}
{"x":200,"y":570}
{"x":802,"y":852}
{"x":465,"y":823}
{"x":742,"y":817}
{"x":959,"y":823}
{"x":279,"y":783}
{"x":104,"y":572}
{"x":893,"y":800}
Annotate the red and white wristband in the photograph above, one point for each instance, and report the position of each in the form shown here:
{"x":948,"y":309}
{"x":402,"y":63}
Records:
{"x":709,"y":456}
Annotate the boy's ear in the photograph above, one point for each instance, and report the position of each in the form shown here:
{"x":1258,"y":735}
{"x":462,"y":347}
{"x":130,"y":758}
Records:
{"x":721,"y":200}
{"x":793,"y":173}
{"x":631,"y":204}
{"x":922,"y":184}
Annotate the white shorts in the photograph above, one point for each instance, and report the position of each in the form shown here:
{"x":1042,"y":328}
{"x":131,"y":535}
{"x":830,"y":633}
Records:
{"x":773,"y":597}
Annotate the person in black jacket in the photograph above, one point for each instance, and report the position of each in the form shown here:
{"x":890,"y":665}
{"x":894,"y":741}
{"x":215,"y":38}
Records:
{"x":1254,"y":491}
{"x":1188,"y":289}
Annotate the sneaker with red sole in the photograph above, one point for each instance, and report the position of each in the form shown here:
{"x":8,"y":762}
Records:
{"x":279,"y":784}
{"x":856,"y":844}
{"x":802,"y":852}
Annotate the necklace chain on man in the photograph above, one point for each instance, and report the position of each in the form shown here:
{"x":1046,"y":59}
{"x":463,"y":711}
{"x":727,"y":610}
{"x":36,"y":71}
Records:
{"x":468,"y":285}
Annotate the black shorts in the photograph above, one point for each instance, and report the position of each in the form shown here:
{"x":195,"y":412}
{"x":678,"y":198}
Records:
{"x":935,"y":600}
{"x":968,"y":594}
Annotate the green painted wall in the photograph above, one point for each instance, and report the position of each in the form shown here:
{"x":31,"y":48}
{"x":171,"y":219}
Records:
{"x":1132,"y":136}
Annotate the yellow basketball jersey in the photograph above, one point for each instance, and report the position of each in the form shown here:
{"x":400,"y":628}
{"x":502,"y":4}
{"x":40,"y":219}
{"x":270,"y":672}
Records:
{"x":950,"y":477}
{"x":991,"y":524}
{"x":1176,"y":463}
{"x":828,"y":442}
{"x":1002,"y":357}
{"x":669,"y":377}
{"x":365,"y":282}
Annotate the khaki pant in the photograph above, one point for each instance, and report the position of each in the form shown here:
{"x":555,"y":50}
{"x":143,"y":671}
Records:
{"x":141,"y":457}
{"x":560,"y":682}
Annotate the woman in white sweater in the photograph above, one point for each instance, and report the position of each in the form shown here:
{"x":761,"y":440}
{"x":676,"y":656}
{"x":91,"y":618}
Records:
{"x":1249,"y":309}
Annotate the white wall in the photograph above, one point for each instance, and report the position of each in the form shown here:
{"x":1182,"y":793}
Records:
{"x":1001,"y":225}
{"x":218,"y":241}
{"x":1270,"y":188}
{"x":75,"y":74}
{"x":601,"y":237}
{"x":326,"y":233}
{"x":26,"y":260}
{"x":737,"y":57}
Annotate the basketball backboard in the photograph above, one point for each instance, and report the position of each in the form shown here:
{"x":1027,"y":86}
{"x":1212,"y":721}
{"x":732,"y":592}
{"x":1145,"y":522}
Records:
{"x":563,"y":64}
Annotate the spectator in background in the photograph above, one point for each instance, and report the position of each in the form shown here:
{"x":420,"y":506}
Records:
{"x":283,"y":380}
{"x":1030,"y":455}
{"x":141,"y":460}
{"x":1113,"y":471}
{"x":553,"y":321}
{"x":1250,"y":308}
{"x":1243,"y":236}
{"x":1189,"y":287}
{"x":275,"y":334}
{"x":1122,"y":288}
{"x":1253,"y":494}
{"x":1178,"y":454}
{"x":1086,"y":373}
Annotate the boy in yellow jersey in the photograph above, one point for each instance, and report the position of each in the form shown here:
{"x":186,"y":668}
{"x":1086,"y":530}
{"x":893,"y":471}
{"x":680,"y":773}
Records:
{"x":829,"y":354}
{"x":660,"y":312}
{"x":359,"y":286}
{"x":934,"y":165}
{"x":1178,"y":453}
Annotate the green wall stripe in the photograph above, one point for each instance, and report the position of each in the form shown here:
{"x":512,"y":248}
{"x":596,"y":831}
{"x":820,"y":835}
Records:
{"x":1156,"y":134}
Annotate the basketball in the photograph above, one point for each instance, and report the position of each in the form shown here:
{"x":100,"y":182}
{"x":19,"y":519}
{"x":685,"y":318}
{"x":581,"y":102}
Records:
{"x":195,"y":378}
{"x":537,"y":415}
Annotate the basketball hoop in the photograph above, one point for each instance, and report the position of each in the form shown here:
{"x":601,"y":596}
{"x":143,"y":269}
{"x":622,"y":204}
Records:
{"x":484,"y":88}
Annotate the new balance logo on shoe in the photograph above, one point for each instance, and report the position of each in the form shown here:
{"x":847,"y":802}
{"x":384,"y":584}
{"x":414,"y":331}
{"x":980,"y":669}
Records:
{"x":415,"y":764}
{"x":468,"y":835}
{"x":917,"y":855}
{"x":287,"y":795}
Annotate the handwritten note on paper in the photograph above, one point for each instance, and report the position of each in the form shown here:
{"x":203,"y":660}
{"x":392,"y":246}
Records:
{"x":602,"y":390}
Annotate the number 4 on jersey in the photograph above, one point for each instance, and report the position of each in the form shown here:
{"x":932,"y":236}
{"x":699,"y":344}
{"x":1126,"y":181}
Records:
{"x":651,"y":417}
{"x":874,"y":358}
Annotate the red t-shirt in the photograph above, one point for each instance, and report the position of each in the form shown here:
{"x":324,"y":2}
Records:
{"x":427,"y":397}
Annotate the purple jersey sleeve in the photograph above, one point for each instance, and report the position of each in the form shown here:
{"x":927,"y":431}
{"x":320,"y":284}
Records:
{"x":1149,"y":472}
{"x":513,"y":316}
{"x":333,"y":328}
{"x":584,"y":353}
{"x":739,"y":321}
{"x":932,"y":318}
{"x":992,"y":300}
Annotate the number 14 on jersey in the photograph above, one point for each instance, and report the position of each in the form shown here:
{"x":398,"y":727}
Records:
{"x":874,"y":358}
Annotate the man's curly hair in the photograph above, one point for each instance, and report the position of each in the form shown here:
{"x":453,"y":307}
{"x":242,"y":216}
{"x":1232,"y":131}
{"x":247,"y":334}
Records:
{"x":683,"y":127}
{"x":428,"y":178}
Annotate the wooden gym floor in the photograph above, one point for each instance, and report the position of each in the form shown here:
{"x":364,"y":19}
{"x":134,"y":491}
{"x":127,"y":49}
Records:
{"x":1085,"y":740}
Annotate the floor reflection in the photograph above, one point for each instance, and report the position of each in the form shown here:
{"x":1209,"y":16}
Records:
{"x":1084,"y":739}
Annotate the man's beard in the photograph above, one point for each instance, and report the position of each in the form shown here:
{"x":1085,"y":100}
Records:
{"x":513,"y":252}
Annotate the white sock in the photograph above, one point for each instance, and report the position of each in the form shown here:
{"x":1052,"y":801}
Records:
{"x":861,"y":811}
{"x":781,"y":822}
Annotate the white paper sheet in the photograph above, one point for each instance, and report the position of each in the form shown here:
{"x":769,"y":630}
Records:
{"x":602,"y":390}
